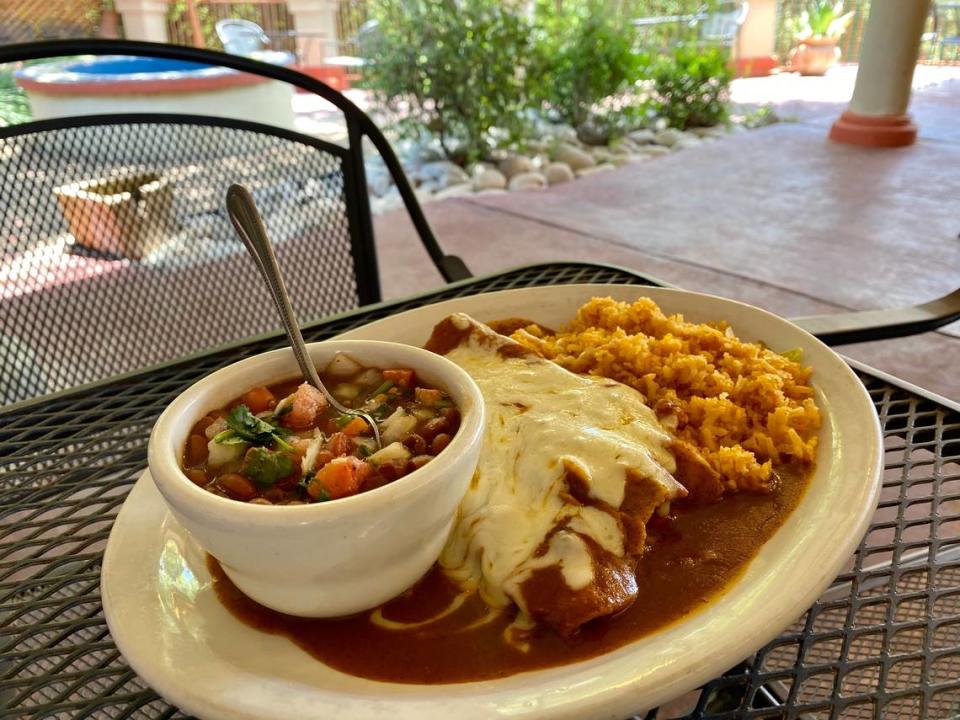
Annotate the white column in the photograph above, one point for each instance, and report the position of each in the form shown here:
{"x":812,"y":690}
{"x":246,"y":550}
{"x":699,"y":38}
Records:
{"x":144,"y":19}
{"x":756,"y":44}
{"x":317,"y":20}
{"x":888,"y":56}
{"x":877,"y":115}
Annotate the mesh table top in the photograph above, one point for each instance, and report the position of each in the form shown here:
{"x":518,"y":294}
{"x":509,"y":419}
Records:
{"x":883,"y":642}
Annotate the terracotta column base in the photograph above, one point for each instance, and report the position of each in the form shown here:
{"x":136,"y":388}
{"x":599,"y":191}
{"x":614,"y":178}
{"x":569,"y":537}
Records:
{"x":880,"y":131}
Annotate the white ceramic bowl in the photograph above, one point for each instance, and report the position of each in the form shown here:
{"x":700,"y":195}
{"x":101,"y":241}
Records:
{"x":332,"y":558}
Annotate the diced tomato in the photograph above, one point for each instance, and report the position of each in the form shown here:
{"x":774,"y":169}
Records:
{"x":306,"y":404}
{"x":355,"y":427}
{"x":259,"y":400}
{"x":340,"y":478}
{"x":340,"y":444}
{"x":401,"y":377}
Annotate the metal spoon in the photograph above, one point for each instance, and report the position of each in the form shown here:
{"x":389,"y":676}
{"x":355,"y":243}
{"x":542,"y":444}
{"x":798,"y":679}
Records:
{"x":249,"y":226}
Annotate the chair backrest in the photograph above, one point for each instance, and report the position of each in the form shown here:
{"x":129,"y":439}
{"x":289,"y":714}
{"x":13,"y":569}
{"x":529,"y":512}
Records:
{"x":116,"y":252}
{"x":722,"y":24}
{"x":241,"y":37}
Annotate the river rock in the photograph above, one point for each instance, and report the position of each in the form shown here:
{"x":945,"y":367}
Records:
{"x":590,"y":133}
{"x":442,"y":173}
{"x":668,"y":137}
{"x":558,"y":172}
{"x":516,"y":165}
{"x":562,"y":132}
{"x":596,"y":169}
{"x":603,"y":155}
{"x":454,"y":191}
{"x":490,"y":180}
{"x":576,"y":158}
{"x":379,"y":181}
{"x":654,"y":150}
{"x":527,"y":181}
{"x":687,"y":140}
{"x":643,"y":136}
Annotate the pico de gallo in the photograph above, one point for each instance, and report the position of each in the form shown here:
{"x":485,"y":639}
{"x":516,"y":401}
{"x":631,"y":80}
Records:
{"x":284,"y":444}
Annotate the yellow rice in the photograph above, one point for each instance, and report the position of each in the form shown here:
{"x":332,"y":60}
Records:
{"x":743,"y":407}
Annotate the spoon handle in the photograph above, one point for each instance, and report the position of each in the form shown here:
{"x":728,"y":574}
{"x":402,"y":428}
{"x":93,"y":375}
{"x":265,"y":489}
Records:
{"x":249,"y":226}
{"x":243,"y":213}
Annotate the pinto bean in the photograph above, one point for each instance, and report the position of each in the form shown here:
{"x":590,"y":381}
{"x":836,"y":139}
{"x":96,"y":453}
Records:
{"x":196,"y":450}
{"x":432,"y":428}
{"x":439,"y":443}
{"x":420,"y":460}
{"x":238,"y":486}
{"x":197,"y":476}
{"x":415,"y":444}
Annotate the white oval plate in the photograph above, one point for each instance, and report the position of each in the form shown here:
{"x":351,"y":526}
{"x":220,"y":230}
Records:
{"x":168,"y":624}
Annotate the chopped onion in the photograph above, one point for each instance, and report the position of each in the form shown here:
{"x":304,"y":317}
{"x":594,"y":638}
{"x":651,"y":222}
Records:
{"x":346,"y":391}
{"x":313,"y":449}
{"x":393,"y":451}
{"x":397,"y":426}
{"x":343,"y":366}
{"x":220,"y":454}
{"x":215,"y":428}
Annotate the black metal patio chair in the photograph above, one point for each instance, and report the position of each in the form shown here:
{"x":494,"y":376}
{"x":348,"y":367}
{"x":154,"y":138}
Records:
{"x":115,"y":249}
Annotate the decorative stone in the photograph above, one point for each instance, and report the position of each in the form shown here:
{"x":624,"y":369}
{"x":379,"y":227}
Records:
{"x":481,"y":167}
{"x":643,"y":137}
{"x":592,"y":134}
{"x":527,"y":181}
{"x":687,"y":141}
{"x":490,"y":180}
{"x":654,"y":150}
{"x":562,"y":132}
{"x":716,"y":131}
{"x":597,"y":169}
{"x":379,"y":181}
{"x":603,"y":155}
{"x":667,"y":137}
{"x":576,"y":158}
{"x":623,"y":146}
{"x":454,"y":191}
{"x":558,"y":172}
{"x":442,"y":173}
{"x":516,"y":165}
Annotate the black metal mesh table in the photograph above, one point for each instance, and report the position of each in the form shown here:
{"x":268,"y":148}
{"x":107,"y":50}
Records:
{"x":883,"y":642}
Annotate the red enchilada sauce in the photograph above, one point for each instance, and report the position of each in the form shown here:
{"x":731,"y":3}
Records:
{"x":693,"y":556}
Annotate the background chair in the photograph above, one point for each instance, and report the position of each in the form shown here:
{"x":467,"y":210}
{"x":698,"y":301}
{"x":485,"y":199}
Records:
{"x":241,"y":37}
{"x":115,"y":250}
{"x":714,"y":26}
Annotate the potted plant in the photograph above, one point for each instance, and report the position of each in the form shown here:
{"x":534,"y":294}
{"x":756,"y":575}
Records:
{"x":123,"y":217}
{"x":109,"y":21}
{"x":818,"y":29}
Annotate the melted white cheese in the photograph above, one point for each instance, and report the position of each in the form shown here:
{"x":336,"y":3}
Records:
{"x":540,"y":418}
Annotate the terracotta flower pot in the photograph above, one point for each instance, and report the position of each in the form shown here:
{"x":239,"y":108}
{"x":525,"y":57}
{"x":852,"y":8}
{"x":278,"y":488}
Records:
{"x":125,"y":217}
{"x":815,"y":55}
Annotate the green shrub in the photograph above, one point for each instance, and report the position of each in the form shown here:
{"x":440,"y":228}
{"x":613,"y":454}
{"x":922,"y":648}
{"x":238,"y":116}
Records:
{"x":455,"y":68}
{"x":585,"y":55}
{"x":691,"y":87}
{"x":14,"y":106}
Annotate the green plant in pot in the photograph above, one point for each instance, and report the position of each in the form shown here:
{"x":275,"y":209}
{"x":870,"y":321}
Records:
{"x":817,"y":32}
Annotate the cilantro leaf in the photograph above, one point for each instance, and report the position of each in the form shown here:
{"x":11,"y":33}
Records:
{"x":249,"y":427}
{"x":245,"y":427}
{"x":265,"y":466}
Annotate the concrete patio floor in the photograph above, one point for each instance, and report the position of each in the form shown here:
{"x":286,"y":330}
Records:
{"x":779,"y":217}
